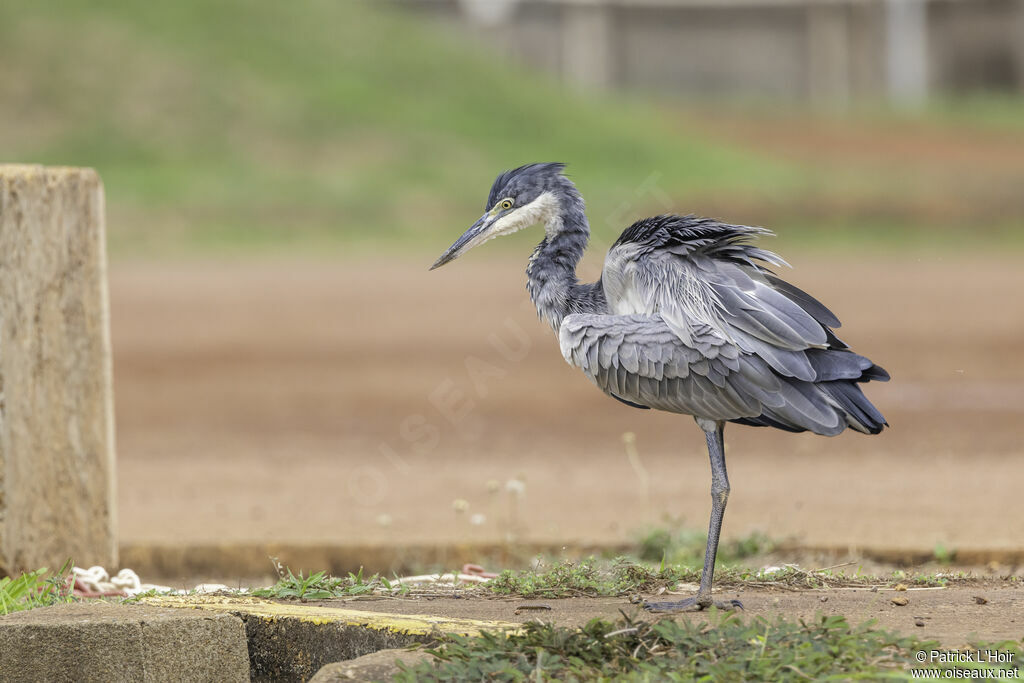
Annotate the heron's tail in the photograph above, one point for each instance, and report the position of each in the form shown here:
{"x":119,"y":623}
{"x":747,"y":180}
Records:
{"x":815,"y":406}
{"x":861,"y":414}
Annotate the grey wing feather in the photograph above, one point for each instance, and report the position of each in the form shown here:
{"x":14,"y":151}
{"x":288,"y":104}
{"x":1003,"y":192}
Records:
{"x":638,"y":359}
{"x":697,"y":326}
{"x":806,"y":301}
{"x":694,"y":291}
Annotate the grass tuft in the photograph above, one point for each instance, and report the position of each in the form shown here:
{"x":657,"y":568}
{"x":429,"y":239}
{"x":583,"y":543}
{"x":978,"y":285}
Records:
{"x":686,"y":546}
{"x":321,"y":586}
{"x":587,"y":577}
{"x":591,"y":577}
{"x":33,"y":589}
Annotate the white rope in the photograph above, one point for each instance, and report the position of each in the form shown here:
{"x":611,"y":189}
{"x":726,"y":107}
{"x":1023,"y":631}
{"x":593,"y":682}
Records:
{"x":97,"y":580}
{"x":442,"y":578}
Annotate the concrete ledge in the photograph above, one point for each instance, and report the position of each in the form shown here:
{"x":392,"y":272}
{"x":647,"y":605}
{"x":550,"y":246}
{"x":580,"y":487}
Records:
{"x":292,"y":641}
{"x":108,"y":643}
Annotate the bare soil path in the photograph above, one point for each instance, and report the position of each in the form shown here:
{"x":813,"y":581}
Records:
{"x":355,"y":401}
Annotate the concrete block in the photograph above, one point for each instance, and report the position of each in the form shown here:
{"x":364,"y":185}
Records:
{"x":57,"y":495}
{"x":376,"y":666}
{"x":108,"y":643}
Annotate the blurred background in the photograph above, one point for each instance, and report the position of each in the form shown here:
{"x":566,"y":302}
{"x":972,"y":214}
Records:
{"x":279,"y":176}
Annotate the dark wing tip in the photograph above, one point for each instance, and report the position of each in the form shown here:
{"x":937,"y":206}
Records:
{"x":875,"y":373}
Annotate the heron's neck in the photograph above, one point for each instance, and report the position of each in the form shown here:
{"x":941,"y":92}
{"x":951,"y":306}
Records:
{"x":551,"y":274}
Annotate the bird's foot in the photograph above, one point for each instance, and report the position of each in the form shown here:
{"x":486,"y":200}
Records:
{"x":690,"y":605}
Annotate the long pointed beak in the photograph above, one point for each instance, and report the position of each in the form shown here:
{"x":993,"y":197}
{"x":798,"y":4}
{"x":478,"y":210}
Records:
{"x":469,"y":239}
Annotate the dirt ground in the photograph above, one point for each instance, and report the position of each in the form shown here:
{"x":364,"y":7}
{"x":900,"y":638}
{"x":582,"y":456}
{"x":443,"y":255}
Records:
{"x":950,"y":615}
{"x":354,"y":402}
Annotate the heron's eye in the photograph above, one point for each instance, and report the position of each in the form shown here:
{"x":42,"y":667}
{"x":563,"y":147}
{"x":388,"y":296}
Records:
{"x":505,"y":204}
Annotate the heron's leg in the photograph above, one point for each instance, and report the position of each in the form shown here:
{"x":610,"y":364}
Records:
{"x":714,"y":433}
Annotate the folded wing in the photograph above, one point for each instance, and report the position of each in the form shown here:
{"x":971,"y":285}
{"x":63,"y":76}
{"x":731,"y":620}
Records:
{"x":697,"y":326}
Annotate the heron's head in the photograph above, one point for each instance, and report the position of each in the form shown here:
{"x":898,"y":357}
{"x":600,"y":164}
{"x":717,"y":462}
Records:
{"x":519,"y":198}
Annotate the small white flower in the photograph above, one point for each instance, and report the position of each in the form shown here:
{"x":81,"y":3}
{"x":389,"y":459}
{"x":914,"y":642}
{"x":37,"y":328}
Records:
{"x":516,"y":486}
{"x":477,"y":519}
{"x":493,"y":486}
{"x":460,"y":506}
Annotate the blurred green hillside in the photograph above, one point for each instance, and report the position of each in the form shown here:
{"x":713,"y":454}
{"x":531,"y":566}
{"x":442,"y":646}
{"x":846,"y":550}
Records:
{"x":329,"y":124}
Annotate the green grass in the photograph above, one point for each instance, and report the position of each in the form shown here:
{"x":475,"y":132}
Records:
{"x":272,"y":124}
{"x":991,"y":112}
{"x":37,"y":588}
{"x":321,"y":586}
{"x":265,"y":126}
{"x":725,"y":648}
{"x":680,"y":545}
{"x":592,"y":577}
{"x":588,"y":577}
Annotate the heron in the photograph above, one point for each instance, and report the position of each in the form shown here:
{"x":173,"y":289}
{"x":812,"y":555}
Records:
{"x":687,"y":317}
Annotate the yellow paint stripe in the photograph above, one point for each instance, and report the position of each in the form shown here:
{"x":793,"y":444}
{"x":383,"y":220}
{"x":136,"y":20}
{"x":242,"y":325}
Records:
{"x":416,"y":624}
